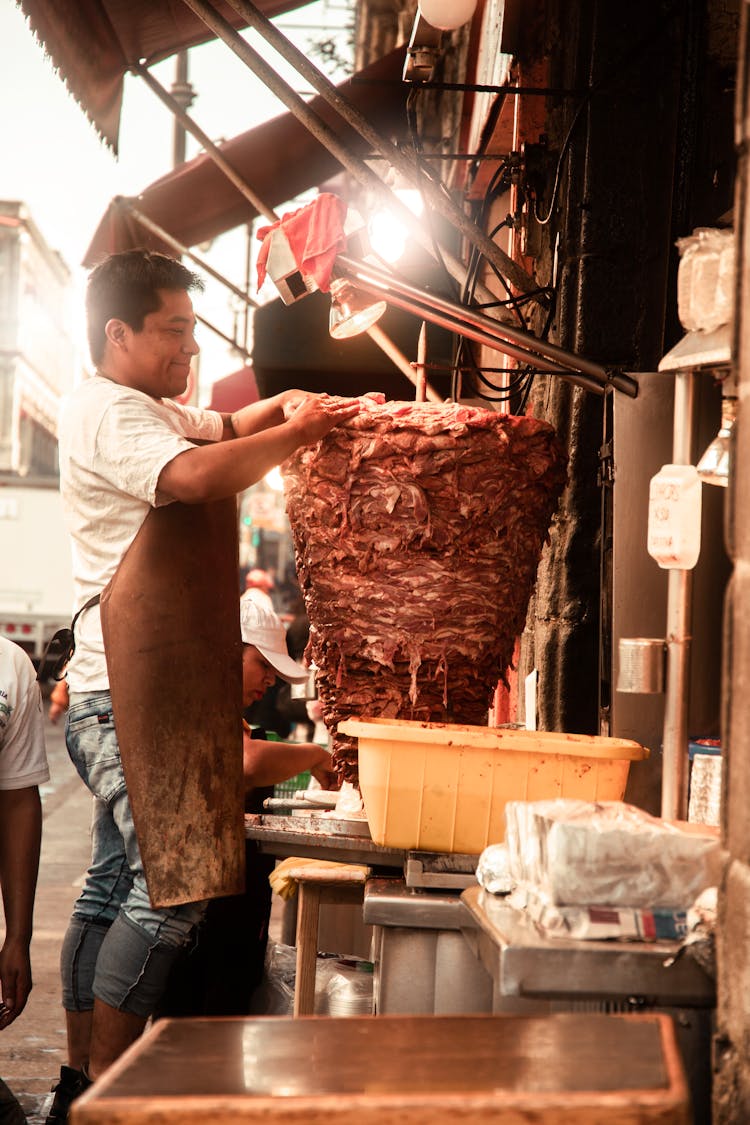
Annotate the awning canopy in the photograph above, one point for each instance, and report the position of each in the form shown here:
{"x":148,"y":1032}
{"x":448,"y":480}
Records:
{"x":234,"y":391}
{"x":93,"y":43}
{"x":278,"y":160}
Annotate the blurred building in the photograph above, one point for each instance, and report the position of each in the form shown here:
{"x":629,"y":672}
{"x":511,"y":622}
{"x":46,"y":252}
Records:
{"x":37,"y":353}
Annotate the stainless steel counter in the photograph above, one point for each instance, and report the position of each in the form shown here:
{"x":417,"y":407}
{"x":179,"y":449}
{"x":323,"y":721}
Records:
{"x":320,"y":837}
{"x":423,"y":964}
{"x":532,"y":974}
{"x":523,"y":963}
{"x":390,"y":902}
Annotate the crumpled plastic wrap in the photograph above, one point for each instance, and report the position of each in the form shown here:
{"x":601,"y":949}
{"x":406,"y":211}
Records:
{"x":580,"y":853}
{"x":705,"y":279}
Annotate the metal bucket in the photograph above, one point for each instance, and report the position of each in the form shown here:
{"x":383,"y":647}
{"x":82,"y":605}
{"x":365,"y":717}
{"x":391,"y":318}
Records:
{"x":641,"y":665}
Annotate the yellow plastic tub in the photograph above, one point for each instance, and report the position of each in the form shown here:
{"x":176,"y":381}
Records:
{"x":442,"y":787}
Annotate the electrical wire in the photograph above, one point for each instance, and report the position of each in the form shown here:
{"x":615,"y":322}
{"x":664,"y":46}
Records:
{"x":464,"y":359}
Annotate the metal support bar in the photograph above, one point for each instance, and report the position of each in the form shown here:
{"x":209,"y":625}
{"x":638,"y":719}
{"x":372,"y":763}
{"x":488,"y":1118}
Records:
{"x":358,"y":168}
{"x":437,"y":199}
{"x":203,"y":139}
{"x":477,"y":326}
{"x":679,"y":641}
{"x":170,"y":240}
{"x":222,"y":335}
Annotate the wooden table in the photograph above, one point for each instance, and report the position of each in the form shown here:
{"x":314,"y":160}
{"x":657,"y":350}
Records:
{"x":570,"y":1069}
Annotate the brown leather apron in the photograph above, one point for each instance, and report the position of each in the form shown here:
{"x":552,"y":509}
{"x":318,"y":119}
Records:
{"x":170,"y":619}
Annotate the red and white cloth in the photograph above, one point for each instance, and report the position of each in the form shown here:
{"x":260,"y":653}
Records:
{"x":315,"y":234}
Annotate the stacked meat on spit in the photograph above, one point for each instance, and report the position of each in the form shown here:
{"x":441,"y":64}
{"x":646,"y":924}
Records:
{"x":418,"y":530}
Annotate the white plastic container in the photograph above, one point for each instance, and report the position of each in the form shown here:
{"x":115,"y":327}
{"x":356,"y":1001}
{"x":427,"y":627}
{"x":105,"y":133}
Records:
{"x":674,"y":517}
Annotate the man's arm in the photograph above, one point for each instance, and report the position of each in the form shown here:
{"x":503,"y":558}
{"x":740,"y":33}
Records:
{"x":220,"y":469}
{"x":263,"y":414}
{"x":20,"y":841}
{"x":268,"y":763}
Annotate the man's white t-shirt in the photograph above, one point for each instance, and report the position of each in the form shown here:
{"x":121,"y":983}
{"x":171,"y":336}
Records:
{"x":114,"y":442}
{"x":23,"y":757}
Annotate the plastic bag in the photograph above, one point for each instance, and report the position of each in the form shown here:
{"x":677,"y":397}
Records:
{"x":275,"y":995}
{"x":493,"y":870}
{"x":608,"y":853}
{"x":349,"y":989}
{"x":705,"y":279}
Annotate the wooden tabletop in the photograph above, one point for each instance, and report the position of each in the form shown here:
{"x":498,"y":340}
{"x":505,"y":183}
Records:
{"x":566,"y":1069}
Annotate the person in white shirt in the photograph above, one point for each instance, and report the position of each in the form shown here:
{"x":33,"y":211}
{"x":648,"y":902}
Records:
{"x":23,"y":768}
{"x":126,"y":447}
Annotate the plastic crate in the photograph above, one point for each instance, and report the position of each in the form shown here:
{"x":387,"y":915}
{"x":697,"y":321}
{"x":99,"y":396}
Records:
{"x":291,"y":785}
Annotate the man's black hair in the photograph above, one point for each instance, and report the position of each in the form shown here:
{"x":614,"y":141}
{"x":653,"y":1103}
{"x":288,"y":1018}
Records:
{"x":126,"y":286}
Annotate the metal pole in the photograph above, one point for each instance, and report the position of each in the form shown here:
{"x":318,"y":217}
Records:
{"x":398,"y":358}
{"x":165,"y":236}
{"x":323,"y":132}
{"x":437,"y":199}
{"x":468,"y":322}
{"x":183,"y":94}
{"x":679,"y":606}
{"x":213,"y":150}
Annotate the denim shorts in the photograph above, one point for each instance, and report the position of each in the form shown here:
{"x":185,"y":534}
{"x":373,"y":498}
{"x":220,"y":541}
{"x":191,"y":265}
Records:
{"x":115,"y":881}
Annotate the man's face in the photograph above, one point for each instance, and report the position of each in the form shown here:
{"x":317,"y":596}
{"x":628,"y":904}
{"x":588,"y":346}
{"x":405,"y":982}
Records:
{"x":257,"y":675}
{"x":156,"y":360}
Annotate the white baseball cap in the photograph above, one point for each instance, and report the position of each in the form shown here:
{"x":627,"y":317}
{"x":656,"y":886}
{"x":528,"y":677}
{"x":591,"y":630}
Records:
{"x":262,"y":628}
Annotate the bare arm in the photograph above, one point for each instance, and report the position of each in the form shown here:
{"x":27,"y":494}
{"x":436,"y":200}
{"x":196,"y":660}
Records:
{"x":20,"y":841}
{"x":266,"y":763}
{"x":224,"y":468}
{"x":264,"y":414}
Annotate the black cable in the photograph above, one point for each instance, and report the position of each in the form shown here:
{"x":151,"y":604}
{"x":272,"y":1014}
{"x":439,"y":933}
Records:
{"x":610,"y":73}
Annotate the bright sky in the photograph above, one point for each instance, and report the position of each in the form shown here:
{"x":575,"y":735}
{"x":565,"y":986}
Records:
{"x":52,"y":159}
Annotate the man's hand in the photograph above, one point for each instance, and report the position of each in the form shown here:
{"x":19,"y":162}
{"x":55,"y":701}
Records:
{"x":314,"y":417}
{"x":325,"y":775}
{"x":15,"y":981}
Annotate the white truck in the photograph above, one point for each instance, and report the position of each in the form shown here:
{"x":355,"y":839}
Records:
{"x":36,"y":581}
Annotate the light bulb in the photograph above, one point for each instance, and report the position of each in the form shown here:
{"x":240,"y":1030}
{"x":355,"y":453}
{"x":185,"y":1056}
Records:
{"x":352,"y":311}
{"x":447,"y":15}
{"x":388,"y":236}
{"x":713,"y":467}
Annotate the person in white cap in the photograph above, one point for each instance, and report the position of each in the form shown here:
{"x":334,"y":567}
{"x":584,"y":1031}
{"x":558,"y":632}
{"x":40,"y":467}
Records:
{"x":219,"y":975}
{"x":264,"y":657}
{"x":258,"y":586}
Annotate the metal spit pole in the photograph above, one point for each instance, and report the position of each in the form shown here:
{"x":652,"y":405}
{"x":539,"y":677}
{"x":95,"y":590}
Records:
{"x":437,"y":199}
{"x":679,"y":640}
{"x":397,"y":357}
